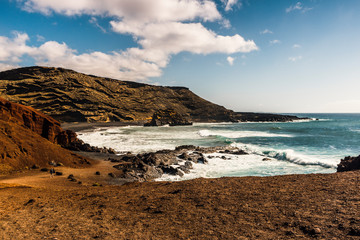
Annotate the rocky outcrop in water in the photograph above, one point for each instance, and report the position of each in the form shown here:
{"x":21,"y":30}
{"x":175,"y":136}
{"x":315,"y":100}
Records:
{"x":167,"y":117}
{"x":349,"y":164}
{"x":69,"y":96}
{"x":148,"y":166}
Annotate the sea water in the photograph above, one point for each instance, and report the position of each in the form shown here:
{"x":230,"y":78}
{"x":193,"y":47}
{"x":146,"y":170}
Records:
{"x":301,"y":147}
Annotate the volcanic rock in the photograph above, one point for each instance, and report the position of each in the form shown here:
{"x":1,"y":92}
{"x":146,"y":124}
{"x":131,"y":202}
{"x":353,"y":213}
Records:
{"x":44,"y":126}
{"x":167,"y":117}
{"x":28,"y":138}
{"x":349,"y":164}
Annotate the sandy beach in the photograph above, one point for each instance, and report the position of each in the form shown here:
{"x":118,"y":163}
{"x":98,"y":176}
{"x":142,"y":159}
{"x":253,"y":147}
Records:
{"x":322,"y":206}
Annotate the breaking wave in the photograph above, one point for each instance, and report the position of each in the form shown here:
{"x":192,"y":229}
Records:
{"x":239,"y":134}
{"x":288,"y":155}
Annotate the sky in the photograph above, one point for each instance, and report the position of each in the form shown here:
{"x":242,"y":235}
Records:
{"x":279,"y":56}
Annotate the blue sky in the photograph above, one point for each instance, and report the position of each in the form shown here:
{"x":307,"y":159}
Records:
{"x":250,"y":55}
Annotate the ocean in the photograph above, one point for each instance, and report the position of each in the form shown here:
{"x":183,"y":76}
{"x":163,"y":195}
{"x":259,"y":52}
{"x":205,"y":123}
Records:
{"x":302,"y":147}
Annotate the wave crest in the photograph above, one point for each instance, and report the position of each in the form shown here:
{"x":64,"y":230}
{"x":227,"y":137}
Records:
{"x":286,"y":155}
{"x":239,"y":134}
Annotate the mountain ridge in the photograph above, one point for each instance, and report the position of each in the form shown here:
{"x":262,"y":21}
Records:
{"x":69,"y":96}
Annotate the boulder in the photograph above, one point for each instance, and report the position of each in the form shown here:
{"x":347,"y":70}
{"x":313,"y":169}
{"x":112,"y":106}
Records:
{"x":168,"y":116}
{"x":349,"y":164}
{"x":184,"y":168}
{"x":172,"y":171}
{"x":188,"y":165}
{"x":152,"y":172}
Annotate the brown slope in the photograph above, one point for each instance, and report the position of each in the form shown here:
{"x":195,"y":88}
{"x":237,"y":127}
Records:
{"x":28,"y":137}
{"x":74,"y":97}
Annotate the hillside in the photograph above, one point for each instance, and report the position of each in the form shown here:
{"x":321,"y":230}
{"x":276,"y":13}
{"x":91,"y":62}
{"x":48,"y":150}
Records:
{"x":74,"y":97}
{"x":28,"y":137}
{"x":69,"y":96}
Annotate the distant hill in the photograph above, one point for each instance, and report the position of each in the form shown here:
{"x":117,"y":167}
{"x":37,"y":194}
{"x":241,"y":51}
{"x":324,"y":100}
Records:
{"x":28,"y":137}
{"x":69,"y":96}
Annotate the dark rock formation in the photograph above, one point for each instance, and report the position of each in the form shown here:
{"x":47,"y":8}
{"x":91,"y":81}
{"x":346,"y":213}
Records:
{"x":168,"y":116}
{"x":69,"y":96}
{"x":234,"y":152}
{"x":349,"y":164}
{"x":148,"y":166}
{"x":263,"y":117}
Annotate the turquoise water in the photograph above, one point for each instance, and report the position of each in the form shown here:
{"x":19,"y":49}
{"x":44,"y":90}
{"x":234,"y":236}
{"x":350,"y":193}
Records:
{"x":294,"y":147}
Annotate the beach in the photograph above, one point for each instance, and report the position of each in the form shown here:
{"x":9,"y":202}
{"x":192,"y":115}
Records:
{"x":322,"y":206}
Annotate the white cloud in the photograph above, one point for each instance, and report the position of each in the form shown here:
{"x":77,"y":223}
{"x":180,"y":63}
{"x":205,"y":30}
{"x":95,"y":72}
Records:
{"x":230,"y":60}
{"x":116,"y":64}
{"x":229,"y":4}
{"x":275,"y":41}
{"x":296,"y":46}
{"x":266,"y":31}
{"x":40,"y":38}
{"x":94,"y":21}
{"x":159,"y":41}
{"x":11,"y":50}
{"x":297,"y":7}
{"x":226,"y":23}
{"x":4,"y":66}
{"x":135,"y":10}
{"x":162,"y":28}
{"x":295,"y":59}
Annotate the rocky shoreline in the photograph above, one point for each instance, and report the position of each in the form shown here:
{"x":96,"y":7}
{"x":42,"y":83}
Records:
{"x":149,"y":166}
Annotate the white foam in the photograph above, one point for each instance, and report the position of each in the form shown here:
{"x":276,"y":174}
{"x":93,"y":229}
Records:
{"x":239,"y":134}
{"x":289,"y":155}
{"x":138,"y":139}
{"x":355,"y":130}
{"x":242,"y":165}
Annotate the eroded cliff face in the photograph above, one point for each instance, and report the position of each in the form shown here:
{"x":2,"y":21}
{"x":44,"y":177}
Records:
{"x":37,"y":122}
{"x":28,"y":137}
{"x":69,"y":96}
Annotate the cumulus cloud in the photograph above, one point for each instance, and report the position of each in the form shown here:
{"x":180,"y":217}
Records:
{"x":5,"y":66}
{"x":295,"y":59}
{"x":11,"y":50}
{"x":275,"y":41}
{"x":115,"y":64}
{"x":266,"y":31}
{"x":161,"y":28}
{"x":135,"y":10}
{"x":297,"y":7}
{"x":230,"y":60}
{"x":296,"y":46}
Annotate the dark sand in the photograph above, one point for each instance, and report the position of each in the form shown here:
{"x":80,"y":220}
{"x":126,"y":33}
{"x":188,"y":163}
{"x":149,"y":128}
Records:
{"x":319,"y":206}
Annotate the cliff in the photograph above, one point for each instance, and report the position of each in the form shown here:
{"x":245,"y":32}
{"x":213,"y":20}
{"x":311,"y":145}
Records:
{"x":69,"y":96}
{"x":28,"y":137}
